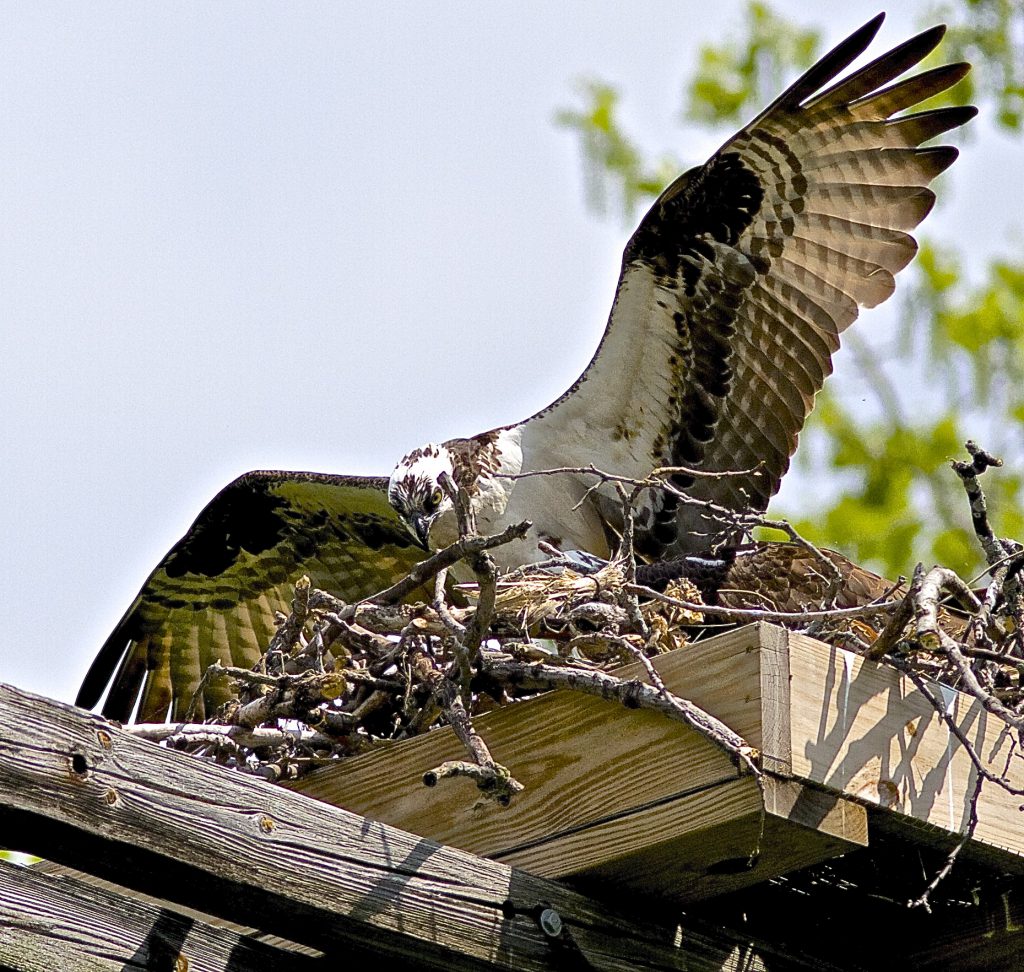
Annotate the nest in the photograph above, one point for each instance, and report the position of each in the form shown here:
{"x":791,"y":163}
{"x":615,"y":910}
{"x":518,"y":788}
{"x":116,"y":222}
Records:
{"x":339,"y":679}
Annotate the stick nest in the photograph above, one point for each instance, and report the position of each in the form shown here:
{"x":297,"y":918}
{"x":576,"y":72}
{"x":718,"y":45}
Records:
{"x":342,"y":679}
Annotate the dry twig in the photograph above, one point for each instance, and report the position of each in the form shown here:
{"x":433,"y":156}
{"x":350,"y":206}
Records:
{"x":340,"y":677}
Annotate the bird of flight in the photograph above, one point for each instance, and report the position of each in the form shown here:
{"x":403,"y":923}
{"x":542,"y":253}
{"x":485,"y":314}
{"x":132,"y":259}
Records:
{"x":733,"y":294}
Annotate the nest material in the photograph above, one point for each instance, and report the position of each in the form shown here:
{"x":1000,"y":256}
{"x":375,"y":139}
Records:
{"x":533,"y":596}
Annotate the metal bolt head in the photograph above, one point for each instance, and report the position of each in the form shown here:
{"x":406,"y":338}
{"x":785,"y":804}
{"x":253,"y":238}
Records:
{"x":550,"y":922}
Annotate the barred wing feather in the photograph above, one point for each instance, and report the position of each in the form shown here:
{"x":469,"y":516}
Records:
{"x":215,"y":595}
{"x":737,"y":284}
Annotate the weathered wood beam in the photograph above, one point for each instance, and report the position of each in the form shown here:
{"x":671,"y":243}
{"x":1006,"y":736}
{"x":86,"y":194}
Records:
{"x":40,"y":914}
{"x":81,"y":792}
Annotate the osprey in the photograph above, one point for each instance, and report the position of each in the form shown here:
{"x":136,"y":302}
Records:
{"x":734,"y":291}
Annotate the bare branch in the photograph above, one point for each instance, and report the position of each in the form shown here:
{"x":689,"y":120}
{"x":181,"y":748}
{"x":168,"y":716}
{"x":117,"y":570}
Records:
{"x":969,"y":473}
{"x":287,"y":635}
{"x":924,"y":900}
{"x":184,"y":734}
{"x":761,"y":614}
{"x":899,"y":619}
{"x":654,"y":480}
{"x":974,"y":687}
{"x":494,"y":780}
{"x":926,"y":602}
{"x":937,"y":703}
{"x":427,"y":569}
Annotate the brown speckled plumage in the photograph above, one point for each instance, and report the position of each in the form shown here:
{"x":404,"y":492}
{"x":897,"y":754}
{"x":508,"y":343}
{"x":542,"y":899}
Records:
{"x":738,"y":282}
{"x":774,"y":576}
{"x":474,"y":457}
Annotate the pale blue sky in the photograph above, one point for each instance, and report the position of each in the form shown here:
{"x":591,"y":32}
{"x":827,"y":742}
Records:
{"x":302,"y":236}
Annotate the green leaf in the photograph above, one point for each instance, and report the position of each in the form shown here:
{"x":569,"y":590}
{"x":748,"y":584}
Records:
{"x":612,"y":163}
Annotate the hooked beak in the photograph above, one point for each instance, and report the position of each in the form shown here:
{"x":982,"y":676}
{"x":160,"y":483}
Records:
{"x":421,"y":530}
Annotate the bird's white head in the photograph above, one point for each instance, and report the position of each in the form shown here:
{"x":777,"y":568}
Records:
{"x":418,"y":494}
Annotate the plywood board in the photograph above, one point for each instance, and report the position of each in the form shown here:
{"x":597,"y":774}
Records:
{"x":583,"y":760}
{"x":726,"y":837}
{"x":862,"y":729}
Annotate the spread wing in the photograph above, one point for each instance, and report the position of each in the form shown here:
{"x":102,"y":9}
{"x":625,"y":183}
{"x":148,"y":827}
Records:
{"x":215,"y":594}
{"x":739,"y":281}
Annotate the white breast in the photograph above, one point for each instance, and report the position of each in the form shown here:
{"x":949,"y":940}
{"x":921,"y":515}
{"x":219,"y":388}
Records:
{"x":552,"y":503}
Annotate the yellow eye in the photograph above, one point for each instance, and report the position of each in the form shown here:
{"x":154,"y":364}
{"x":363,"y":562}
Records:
{"x":432,"y":502}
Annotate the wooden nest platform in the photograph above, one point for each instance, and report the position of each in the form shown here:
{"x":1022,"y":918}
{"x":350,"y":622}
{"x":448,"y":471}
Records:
{"x":637,"y":842}
{"x":865,"y":790}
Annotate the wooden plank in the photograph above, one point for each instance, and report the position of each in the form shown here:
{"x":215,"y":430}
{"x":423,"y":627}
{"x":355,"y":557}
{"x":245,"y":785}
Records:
{"x":603,"y":782}
{"x":815,"y":809}
{"x":725,"y":837}
{"x":722,"y":675}
{"x":49,"y":922}
{"x":862,"y":729}
{"x":94,"y":798}
{"x":583,"y":760}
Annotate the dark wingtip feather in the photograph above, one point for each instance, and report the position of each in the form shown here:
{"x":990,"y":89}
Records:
{"x":882,"y":69}
{"x":955,"y":72}
{"x":926,"y":125}
{"x":940,"y":158}
{"x":838,"y":59}
{"x":127,"y":686}
{"x":825,"y":69}
{"x":102,"y":668}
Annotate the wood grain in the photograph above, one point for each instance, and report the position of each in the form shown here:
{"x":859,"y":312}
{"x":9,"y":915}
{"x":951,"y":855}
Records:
{"x":773,"y":658}
{"x":585,"y":758}
{"x":41,"y":915}
{"x":706,"y":843}
{"x":862,"y":729}
{"x":582,"y":758}
{"x":606,"y":784}
{"x":90,"y":796}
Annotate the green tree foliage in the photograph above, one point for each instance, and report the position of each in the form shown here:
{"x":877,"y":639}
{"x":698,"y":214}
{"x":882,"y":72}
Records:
{"x":879,"y":448}
{"x":740,"y":74}
{"x":989,"y":34}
